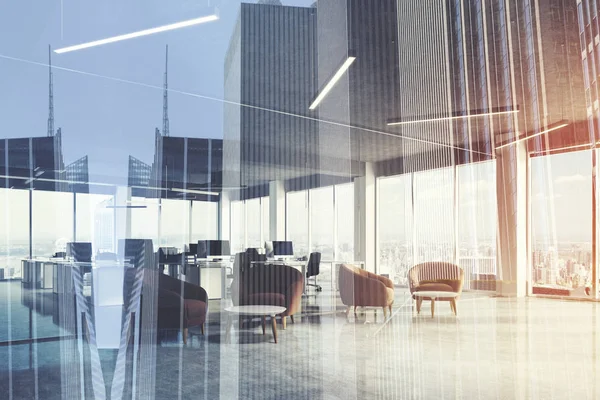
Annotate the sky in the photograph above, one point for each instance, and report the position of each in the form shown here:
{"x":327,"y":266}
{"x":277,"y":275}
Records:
{"x":100,"y":116}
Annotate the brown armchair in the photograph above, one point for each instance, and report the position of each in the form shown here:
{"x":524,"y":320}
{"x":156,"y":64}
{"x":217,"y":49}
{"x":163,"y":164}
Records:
{"x":269,"y":284}
{"x":360,"y":288}
{"x":437,"y":276}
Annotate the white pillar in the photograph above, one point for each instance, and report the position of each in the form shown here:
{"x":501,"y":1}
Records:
{"x":364,"y":218}
{"x":224,"y":216}
{"x":512,"y":199}
{"x":276,"y":210}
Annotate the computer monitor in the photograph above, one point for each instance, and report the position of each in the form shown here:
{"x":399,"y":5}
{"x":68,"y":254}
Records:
{"x":80,"y":251}
{"x":202,"y":249}
{"x":283,"y":248}
{"x":218,"y":248}
{"x":193,"y":248}
{"x":269,"y":249}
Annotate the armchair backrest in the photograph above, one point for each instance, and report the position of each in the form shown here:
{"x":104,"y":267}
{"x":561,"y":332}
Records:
{"x":436,"y":271}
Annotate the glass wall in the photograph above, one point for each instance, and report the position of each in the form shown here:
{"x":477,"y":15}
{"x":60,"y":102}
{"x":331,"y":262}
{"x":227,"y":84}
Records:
{"x":395,"y":223}
{"x":434,"y":215}
{"x":205,"y":217}
{"x":297,"y":220}
{"x":429,"y":230}
{"x":561,"y":223}
{"x":253,"y":223}
{"x":322,"y":222}
{"x":477,"y":223}
{"x":174,"y":223}
{"x":53,"y":215}
{"x":14,"y":230}
{"x":145,"y":219}
{"x":238,"y":224}
{"x":344,"y":211}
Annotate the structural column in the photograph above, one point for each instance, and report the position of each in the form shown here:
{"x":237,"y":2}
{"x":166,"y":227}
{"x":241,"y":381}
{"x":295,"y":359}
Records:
{"x":277,"y":210}
{"x":364,"y":218}
{"x":512,"y":200}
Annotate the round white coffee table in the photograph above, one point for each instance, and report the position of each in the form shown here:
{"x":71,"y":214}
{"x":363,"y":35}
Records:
{"x":433,"y":296}
{"x":263,"y":311}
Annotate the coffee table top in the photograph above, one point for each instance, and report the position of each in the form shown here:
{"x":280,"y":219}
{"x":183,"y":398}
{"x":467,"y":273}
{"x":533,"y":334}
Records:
{"x":435,"y":294}
{"x":256,"y":310}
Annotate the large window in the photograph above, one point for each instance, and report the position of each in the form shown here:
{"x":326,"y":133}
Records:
{"x":14,"y":230}
{"x":144,"y":219}
{"x":322,"y":221}
{"x":238,"y":223}
{"x":477,"y":222}
{"x":174,"y":223}
{"x":52,"y":213}
{"x":395,"y":227}
{"x":344,"y":208}
{"x":297,"y":221}
{"x":205,"y":216}
{"x":253,"y":222}
{"x":561,"y":213}
{"x":434,"y":215}
{"x":89,"y":223}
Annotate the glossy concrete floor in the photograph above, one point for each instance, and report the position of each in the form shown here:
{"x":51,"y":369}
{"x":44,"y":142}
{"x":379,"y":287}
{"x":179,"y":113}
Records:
{"x":496,"y":348}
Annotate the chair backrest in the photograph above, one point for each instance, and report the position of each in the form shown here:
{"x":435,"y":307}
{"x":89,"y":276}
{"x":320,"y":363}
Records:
{"x":434,"y":271}
{"x":314,"y":262}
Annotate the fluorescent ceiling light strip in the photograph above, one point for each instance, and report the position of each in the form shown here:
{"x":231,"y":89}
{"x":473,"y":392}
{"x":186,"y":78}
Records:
{"x":532,"y":136}
{"x":419,"y":121}
{"x":332,"y":82}
{"x":145,"y":32}
{"x":195,"y":191}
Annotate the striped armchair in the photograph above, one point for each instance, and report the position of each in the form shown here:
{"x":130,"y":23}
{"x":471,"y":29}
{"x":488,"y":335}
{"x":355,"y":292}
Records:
{"x":436,"y":276}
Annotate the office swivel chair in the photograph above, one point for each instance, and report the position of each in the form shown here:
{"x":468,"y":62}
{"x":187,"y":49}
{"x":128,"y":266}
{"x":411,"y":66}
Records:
{"x":312,"y":269}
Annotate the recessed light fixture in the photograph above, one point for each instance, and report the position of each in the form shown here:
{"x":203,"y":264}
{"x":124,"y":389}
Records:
{"x":145,"y":32}
{"x":475,"y":114}
{"x":551,"y":128}
{"x":336,"y":77}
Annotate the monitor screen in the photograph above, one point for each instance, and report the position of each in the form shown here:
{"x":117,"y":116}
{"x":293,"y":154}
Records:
{"x":218,"y":248}
{"x":201,"y":249}
{"x":193,"y":248}
{"x":281,"y":248}
{"x":80,"y":251}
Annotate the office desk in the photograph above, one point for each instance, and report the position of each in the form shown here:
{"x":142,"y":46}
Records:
{"x":211,"y":275}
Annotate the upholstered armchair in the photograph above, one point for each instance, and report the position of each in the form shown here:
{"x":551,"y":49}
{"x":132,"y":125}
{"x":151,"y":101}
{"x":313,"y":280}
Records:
{"x":360,"y":288}
{"x":269,"y":284}
{"x":436,"y":276}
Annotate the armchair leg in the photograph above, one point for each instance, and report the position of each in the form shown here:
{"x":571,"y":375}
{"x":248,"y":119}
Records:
{"x":185,"y":335}
{"x":292,"y":318}
{"x":453,"y":306}
{"x":284,"y":322}
{"x":202,"y":329}
{"x":385,"y":310}
{"x":390,"y":308}
{"x":419,"y":301}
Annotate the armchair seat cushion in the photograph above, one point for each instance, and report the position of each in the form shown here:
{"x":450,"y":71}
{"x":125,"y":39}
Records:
{"x":267,"y":299}
{"x":196,"y":311}
{"x":434,"y":287}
